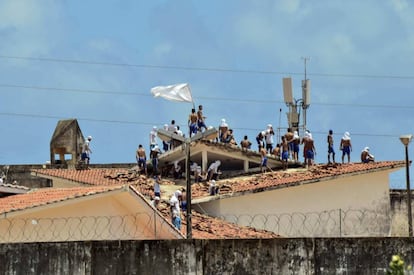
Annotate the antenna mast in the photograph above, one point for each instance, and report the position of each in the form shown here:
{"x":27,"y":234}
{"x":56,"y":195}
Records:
{"x":305,"y":93}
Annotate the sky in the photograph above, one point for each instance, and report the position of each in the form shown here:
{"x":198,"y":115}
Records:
{"x":96,"y":61}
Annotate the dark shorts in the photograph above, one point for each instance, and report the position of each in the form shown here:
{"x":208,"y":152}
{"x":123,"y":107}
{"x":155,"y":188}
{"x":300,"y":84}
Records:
{"x":285,"y":155}
{"x":295,"y":148}
{"x":310,"y":154}
{"x":331,"y":149}
{"x":142,"y":161}
{"x":264,"y":161}
{"x":346,"y":150}
{"x":84,"y":156}
{"x":201,"y":124}
{"x":193,"y":128}
{"x":269,"y":146}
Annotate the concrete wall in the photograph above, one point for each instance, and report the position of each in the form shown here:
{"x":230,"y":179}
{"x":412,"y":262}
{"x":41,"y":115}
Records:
{"x":267,"y":256}
{"x":116,"y":215}
{"x":364,"y":191}
{"x":21,"y":175}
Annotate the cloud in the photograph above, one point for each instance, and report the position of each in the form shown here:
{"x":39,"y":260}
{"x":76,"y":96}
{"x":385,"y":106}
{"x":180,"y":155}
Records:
{"x":30,"y":28}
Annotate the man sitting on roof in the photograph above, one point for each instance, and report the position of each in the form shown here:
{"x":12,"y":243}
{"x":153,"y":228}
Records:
{"x":366,"y":156}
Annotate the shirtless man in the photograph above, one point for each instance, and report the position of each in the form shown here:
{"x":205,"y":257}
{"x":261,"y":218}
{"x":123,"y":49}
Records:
{"x":141,"y":158}
{"x":366,"y":156}
{"x":200,"y":119}
{"x":245,"y":143}
{"x":192,"y":122}
{"x":263,"y":164}
{"x":309,"y":150}
{"x":346,"y":146}
{"x":289,"y":138}
{"x":284,"y":146}
{"x":294,"y":145}
{"x":276,"y":151}
{"x":331,"y":150}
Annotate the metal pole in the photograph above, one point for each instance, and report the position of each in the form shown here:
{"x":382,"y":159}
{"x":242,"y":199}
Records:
{"x":188,"y":189}
{"x":407,"y":172}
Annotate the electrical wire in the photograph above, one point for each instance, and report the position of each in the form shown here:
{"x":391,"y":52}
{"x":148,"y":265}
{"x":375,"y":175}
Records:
{"x":240,"y":100}
{"x":208,"y":69}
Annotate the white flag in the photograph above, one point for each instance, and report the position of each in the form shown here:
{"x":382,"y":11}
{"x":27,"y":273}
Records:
{"x":178,"y":92}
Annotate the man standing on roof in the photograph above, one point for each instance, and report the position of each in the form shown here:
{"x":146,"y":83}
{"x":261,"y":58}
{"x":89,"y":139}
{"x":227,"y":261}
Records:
{"x":223,"y":129}
{"x":309,"y":150}
{"x":289,"y":138}
{"x":269,"y":133}
{"x":346,"y":146}
{"x":263,"y":163}
{"x":86,"y":150}
{"x":331,"y":150}
{"x":295,"y":145}
{"x":157,"y":188}
{"x":201,"y":119}
{"x":175,"y":209}
{"x":141,"y":158}
{"x":153,"y":137}
{"x":192,"y":122}
{"x":285,"y":152}
{"x":155,"y":152}
{"x":260,"y":140}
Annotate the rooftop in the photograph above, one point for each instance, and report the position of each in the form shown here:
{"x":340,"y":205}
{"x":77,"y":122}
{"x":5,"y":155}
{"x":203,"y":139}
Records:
{"x":254,"y":183}
{"x":45,"y":196}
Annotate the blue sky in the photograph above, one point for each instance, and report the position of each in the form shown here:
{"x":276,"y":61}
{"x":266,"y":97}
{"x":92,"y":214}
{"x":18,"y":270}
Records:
{"x":97,"y":61}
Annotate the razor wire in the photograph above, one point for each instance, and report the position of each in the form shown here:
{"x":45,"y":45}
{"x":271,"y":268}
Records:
{"x":141,"y":226}
{"x":60,"y":229}
{"x":330,"y":223}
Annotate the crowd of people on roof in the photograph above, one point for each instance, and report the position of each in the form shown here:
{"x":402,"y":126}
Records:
{"x":286,"y":149}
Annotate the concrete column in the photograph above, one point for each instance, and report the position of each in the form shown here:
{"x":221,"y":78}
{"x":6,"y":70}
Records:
{"x":204,"y":161}
{"x":246,"y":165}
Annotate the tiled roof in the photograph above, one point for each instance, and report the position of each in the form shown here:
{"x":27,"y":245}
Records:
{"x":277,"y":179}
{"x":102,"y":177}
{"x":44,"y":196}
{"x":258,"y":182}
{"x":206,"y":227}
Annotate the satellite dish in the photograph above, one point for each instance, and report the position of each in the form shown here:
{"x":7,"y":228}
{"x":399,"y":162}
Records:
{"x":287,"y":90}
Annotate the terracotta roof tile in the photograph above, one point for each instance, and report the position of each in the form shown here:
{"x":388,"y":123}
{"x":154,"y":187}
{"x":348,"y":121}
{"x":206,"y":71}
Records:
{"x":206,"y":227}
{"x":102,"y":177}
{"x":261,"y":182}
{"x":45,"y":196}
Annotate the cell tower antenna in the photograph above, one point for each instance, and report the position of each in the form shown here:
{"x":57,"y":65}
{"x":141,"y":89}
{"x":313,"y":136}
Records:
{"x":305,"y":59}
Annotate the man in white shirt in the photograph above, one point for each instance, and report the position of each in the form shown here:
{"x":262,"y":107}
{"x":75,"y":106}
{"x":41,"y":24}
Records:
{"x":213,"y":171}
{"x":175,"y":209}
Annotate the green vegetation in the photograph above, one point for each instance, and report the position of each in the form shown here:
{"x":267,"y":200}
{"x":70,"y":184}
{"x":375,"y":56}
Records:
{"x":397,"y":266}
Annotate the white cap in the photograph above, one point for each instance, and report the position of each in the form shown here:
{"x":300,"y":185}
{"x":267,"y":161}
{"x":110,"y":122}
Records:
{"x":89,"y":137}
{"x":156,"y":198}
